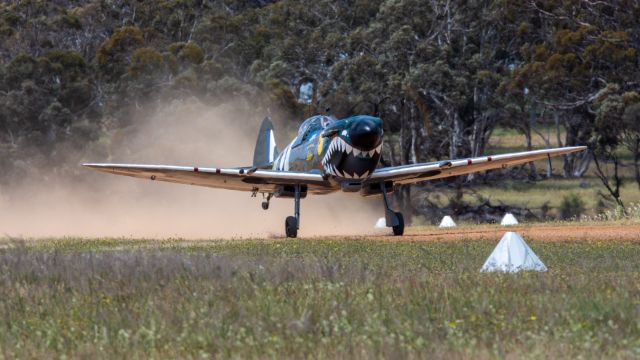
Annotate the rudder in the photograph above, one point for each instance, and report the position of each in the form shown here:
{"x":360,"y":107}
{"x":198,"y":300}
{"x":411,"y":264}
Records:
{"x":265,"y":152}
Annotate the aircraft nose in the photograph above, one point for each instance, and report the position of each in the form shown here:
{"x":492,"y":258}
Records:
{"x":365,"y":134}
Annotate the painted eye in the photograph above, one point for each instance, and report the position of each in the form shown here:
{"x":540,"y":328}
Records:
{"x":344,"y":132}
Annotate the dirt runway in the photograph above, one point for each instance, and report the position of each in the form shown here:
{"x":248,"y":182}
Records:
{"x":537,"y":232}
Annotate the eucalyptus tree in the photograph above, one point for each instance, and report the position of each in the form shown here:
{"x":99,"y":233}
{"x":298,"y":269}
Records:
{"x":569,"y":53}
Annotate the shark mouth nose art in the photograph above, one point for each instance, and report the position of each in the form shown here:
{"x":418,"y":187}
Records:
{"x":344,"y":160}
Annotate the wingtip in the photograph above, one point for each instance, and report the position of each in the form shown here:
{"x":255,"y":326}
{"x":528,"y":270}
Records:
{"x":93,"y":165}
{"x":573,"y":148}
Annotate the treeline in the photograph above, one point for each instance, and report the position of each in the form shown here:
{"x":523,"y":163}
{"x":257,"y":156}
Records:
{"x":442,"y":74}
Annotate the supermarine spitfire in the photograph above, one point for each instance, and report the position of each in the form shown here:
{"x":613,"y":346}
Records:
{"x":326,"y":156}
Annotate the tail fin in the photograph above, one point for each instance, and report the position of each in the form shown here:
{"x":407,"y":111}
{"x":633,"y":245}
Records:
{"x":266,"y":151}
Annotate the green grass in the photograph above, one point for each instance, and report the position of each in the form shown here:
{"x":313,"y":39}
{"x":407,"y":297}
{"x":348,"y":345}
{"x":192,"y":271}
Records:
{"x":314,"y":298}
{"x":552,"y":191}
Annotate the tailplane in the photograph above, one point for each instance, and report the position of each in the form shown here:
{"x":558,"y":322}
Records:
{"x":266,"y":151}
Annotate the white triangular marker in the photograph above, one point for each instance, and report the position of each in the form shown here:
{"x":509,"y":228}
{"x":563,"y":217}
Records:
{"x":512,"y":255}
{"x":509,"y":219}
{"x":446,"y":222}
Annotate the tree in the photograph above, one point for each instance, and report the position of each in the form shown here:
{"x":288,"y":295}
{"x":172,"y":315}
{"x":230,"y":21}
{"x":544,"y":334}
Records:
{"x":631,"y":129}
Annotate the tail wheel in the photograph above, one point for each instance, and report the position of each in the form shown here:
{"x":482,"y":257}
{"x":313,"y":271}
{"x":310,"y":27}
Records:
{"x":398,"y":230}
{"x":291,"y":227}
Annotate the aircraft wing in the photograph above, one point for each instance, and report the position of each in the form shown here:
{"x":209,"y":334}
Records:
{"x":408,"y":174}
{"x":223,"y":178}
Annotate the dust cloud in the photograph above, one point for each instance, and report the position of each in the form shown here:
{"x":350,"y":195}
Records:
{"x":92,"y":204}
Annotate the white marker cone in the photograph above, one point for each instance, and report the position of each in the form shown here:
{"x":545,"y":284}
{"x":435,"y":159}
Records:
{"x":509,"y":219}
{"x":446,"y":222}
{"x":512,"y":255}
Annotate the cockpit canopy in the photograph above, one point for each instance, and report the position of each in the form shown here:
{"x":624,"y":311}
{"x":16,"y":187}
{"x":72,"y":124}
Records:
{"x":318,"y":122}
{"x":312,"y":125}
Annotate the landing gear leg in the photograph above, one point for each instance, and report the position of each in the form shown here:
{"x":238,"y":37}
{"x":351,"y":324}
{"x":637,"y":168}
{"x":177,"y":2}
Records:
{"x":265,"y":203}
{"x":292,"y":223}
{"x":394,"y":220}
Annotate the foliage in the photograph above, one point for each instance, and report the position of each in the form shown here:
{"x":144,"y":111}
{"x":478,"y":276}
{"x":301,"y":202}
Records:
{"x":145,"y":61}
{"x":572,"y":207}
{"x":187,"y":52}
{"x":113,"y":53}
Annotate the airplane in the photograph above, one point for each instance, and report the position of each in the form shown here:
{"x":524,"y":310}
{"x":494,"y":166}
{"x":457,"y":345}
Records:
{"x":326,"y":156}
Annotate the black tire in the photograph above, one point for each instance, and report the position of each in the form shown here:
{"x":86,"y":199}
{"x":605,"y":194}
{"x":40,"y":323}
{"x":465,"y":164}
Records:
{"x":265,"y":205}
{"x":291,"y":227}
{"x":398,"y":230}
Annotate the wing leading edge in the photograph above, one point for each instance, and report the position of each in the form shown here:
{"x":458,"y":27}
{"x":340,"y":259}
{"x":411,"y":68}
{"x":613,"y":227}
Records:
{"x":222,"y":178}
{"x":408,"y":174}
{"x":268,"y":180}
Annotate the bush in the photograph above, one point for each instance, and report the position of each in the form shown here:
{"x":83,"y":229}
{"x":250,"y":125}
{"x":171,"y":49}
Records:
{"x":145,"y":61}
{"x":572,"y":206}
{"x":66,"y":58}
{"x":72,"y":21}
{"x":122,"y":39}
{"x":188,"y":52}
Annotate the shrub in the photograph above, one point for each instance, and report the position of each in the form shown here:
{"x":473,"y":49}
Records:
{"x":122,"y":40}
{"x":72,"y":21}
{"x":66,"y":58}
{"x":145,"y":60}
{"x":189,"y":52}
{"x":22,"y":67}
{"x":572,"y":206}
{"x":11,"y":19}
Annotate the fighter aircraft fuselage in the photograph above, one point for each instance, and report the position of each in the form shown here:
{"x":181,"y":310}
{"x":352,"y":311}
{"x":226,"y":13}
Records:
{"x":345,"y":149}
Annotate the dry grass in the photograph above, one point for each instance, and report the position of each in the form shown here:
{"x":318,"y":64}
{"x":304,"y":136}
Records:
{"x":319,"y":298}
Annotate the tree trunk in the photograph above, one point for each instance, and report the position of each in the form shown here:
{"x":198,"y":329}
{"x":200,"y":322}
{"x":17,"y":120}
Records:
{"x":403,"y":132}
{"x":477,"y":141}
{"x":614,"y":190}
{"x":583,"y":165}
{"x":402,"y":195}
{"x":413,"y":153}
{"x":533,"y":172}
{"x":636,"y":162}
{"x":456,"y":135}
{"x":547,"y":143}
{"x":565,"y":159}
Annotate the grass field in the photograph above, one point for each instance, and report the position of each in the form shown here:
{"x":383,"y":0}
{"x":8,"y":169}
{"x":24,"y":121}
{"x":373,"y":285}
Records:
{"x":422,"y":297}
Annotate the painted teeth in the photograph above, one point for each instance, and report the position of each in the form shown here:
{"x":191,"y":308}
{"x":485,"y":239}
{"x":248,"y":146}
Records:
{"x":338,"y":145}
{"x":331,"y":169}
{"x":347,"y":148}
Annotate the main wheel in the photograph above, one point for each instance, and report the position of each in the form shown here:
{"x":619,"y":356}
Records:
{"x":291,"y":226}
{"x":265,"y":205}
{"x":399,"y":229}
